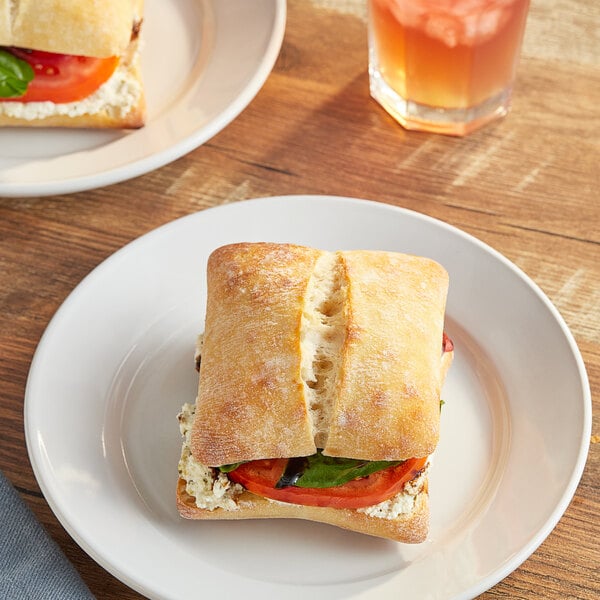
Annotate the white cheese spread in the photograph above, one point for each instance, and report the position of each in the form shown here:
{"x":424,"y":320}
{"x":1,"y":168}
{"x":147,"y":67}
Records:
{"x":210,"y":488}
{"x":400,"y":504}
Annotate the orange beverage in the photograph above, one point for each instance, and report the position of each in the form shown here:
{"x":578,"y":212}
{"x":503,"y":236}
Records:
{"x":444,"y":65}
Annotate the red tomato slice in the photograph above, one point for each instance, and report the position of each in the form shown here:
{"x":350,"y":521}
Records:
{"x":62,"y":78}
{"x":447,"y":344}
{"x":260,"y":477}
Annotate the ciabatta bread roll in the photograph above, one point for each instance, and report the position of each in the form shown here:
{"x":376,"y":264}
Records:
{"x":96,"y":30}
{"x":307,"y":353}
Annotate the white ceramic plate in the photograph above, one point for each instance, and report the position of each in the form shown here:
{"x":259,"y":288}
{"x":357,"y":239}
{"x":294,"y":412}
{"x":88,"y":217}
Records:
{"x":203,"y":62}
{"x":115,"y":365}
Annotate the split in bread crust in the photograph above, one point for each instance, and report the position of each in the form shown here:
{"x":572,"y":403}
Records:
{"x":322,"y":337}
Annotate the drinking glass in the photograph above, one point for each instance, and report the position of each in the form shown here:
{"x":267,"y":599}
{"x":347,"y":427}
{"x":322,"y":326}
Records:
{"x":446,"y":66}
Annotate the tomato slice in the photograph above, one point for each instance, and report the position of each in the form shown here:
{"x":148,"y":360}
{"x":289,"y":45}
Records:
{"x":260,"y":477}
{"x":447,"y":344}
{"x":62,"y":78}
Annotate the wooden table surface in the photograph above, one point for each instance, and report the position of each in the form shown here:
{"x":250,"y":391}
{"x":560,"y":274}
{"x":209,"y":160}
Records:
{"x":527,"y":185}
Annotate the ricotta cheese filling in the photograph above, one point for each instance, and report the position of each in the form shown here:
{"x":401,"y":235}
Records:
{"x":400,"y":504}
{"x":212,"y":489}
{"x":117,"y":96}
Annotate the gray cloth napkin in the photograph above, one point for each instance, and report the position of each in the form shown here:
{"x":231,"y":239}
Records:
{"x":32,"y":566}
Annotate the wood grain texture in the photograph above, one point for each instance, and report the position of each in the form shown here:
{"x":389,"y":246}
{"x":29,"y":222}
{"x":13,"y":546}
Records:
{"x":527,"y":185}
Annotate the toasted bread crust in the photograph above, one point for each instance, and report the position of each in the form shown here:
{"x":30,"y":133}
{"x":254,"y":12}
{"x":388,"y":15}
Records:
{"x":100,"y":29}
{"x":410,"y":528}
{"x":390,"y":372}
{"x":253,"y":400}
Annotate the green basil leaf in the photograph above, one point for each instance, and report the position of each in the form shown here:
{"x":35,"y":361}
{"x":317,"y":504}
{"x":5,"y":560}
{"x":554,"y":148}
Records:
{"x":15,"y":75}
{"x":328,"y":471}
{"x":229,"y":468}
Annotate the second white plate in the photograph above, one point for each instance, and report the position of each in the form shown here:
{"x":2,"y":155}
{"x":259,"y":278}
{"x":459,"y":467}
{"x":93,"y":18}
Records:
{"x":116,"y":364}
{"x":203,"y":62}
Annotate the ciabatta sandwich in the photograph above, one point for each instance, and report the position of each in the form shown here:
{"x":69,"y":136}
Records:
{"x":319,"y":389}
{"x":71,"y":63}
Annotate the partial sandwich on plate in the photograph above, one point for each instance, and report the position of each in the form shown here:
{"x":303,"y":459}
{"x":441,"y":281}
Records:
{"x":71,"y":63}
{"x":319,"y":390}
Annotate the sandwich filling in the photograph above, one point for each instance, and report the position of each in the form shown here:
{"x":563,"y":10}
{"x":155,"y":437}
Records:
{"x":46,"y":76}
{"x":377,"y":489}
{"x":209,"y":487}
{"x":121,"y":92}
{"x":35,"y":84}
